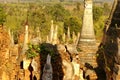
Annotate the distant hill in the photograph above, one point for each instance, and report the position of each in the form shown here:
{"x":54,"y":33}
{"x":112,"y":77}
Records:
{"x":51,"y":0}
{"x":105,"y":0}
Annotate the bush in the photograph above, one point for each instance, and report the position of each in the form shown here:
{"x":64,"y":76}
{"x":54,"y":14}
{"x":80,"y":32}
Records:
{"x":33,"y":51}
{"x":97,"y":13}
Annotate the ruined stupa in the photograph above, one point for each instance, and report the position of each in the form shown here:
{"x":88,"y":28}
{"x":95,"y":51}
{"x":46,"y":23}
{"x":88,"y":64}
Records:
{"x":87,"y":35}
{"x":87,"y":41}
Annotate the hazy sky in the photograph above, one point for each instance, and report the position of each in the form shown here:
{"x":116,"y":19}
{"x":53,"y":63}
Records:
{"x":47,"y":0}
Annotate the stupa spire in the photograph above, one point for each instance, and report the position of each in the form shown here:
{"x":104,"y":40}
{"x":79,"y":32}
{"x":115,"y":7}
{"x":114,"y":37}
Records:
{"x":87,"y":33}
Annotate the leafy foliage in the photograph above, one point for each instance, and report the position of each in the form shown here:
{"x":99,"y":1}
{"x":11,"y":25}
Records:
{"x":98,"y":26}
{"x":2,"y":15}
{"x":58,"y":12}
{"x":99,"y":20}
{"x":97,"y":12}
{"x":38,"y":17}
{"x":74,"y":24}
{"x":33,"y":51}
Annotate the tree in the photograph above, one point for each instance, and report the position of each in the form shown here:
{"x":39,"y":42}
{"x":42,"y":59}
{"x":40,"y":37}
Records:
{"x":106,"y":8}
{"x":97,"y":13}
{"x":59,"y":13}
{"x":61,"y":0}
{"x":39,"y":17}
{"x":74,"y":23}
{"x":2,"y":15}
{"x":78,"y":6}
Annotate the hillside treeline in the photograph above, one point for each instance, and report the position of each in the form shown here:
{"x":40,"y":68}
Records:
{"x":38,"y":15}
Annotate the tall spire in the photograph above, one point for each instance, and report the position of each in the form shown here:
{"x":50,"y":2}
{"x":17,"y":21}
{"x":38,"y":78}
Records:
{"x":68,"y":35}
{"x":87,"y":32}
{"x":51,"y":31}
{"x":87,"y":41}
{"x":25,"y":44}
{"x":55,"y":39}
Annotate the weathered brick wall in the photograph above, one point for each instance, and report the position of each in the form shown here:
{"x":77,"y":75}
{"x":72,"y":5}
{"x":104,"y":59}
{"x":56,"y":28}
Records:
{"x":4,"y":54}
{"x":88,"y":60}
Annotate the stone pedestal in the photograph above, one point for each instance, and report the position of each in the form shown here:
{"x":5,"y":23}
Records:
{"x":88,"y":60}
{"x":88,"y":55}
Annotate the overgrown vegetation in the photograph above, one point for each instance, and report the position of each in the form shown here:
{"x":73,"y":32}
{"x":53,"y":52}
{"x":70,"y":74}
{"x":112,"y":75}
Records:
{"x":36,"y":50}
{"x":33,"y":51}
